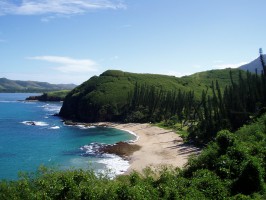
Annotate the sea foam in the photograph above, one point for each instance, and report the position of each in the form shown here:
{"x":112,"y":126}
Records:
{"x":132,"y":133}
{"x":91,"y":150}
{"x":55,"y":127}
{"x":34,"y":123}
{"x":51,"y":108}
{"x":115,"y":164}
{"x":85,"y":126}
{"x":80,"y":126}
{"x":3,"y":101}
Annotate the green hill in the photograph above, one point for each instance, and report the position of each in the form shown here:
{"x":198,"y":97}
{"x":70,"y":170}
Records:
{"x":109,"y":92}
{"x":254,"y":65}
{"x":7,"y":85}
{"x":50,"y":96}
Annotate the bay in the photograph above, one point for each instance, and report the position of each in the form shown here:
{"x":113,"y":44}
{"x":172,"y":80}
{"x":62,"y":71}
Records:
{"x":31,"y":136}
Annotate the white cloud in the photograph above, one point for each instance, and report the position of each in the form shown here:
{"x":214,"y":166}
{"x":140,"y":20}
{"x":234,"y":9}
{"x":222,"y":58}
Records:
{"x":69,"y":65}
{"x":56,"y":7}
{"x":176,"y":74}
{"x":223,"y":66}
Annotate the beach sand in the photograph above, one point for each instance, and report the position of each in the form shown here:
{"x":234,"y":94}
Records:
{"x":159,"y":147}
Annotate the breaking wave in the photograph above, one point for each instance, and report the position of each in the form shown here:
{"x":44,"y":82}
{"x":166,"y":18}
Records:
{"x":51,"y":108}
{"x":114,"y":164}
{"x":35,"y":123}
{"x":55,"y":127}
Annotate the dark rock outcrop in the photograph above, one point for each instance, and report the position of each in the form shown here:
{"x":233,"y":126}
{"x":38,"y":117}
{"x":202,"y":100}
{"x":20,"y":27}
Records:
{"x":122,"y":149}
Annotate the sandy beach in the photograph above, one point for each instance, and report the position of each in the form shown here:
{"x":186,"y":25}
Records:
{"x":158,"y":147}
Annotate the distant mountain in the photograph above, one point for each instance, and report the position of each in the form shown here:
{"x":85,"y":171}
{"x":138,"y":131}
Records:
{"x":253,"y":65}
{"x":7,"y":85}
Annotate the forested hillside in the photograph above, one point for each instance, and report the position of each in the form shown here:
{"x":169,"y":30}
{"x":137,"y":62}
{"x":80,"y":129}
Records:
{"x":204,"y":103}
{"x":254,"y":65}
{"x":229,"y":108}
{"x":106,"y":98}
{"x":7,"y":85}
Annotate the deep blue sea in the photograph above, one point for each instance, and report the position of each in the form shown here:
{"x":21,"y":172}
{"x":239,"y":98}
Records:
{"x":24,"y":146}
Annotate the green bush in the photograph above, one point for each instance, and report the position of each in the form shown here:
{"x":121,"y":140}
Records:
{"x":224,"y":140}
{"x":209,"y":184}
{"x":251,"y":178}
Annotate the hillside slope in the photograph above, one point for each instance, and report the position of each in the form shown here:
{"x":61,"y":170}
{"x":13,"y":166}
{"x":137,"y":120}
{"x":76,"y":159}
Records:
{"x":253,"y":65}
{"x":96,"y":98}
{"x":50,"y":96}
{"x":7,"y":85}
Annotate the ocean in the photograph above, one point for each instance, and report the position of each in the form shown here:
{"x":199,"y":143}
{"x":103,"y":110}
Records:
{"x":31,"y":136}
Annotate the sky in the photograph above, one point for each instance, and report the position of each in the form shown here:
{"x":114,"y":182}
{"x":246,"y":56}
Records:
{"x":69,"y":41}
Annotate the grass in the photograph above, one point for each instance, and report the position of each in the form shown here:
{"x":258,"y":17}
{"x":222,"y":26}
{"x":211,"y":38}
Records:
{"x":177,"y":128}
{"x":60,"y":94}
{"x":112,"y":88}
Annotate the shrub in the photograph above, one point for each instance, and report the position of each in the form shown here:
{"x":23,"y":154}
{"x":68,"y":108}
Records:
{"x":250,"y":179}
{"x":209,"y":184}
{"x":224,"y":140}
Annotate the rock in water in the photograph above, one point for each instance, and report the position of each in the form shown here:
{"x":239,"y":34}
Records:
{"x":123,"y":149}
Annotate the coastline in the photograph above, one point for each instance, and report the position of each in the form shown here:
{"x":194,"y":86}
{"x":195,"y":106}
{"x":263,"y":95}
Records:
{"x":158,"y":146}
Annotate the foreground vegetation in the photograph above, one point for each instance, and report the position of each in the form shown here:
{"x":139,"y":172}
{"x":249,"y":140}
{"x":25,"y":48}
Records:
{"x":231,"y":167}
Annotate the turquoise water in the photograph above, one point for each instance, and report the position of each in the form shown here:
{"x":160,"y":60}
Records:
{"x":24,"y":147}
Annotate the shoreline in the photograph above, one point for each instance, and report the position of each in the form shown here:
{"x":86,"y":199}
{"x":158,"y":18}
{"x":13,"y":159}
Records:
{"x":159,"y":147}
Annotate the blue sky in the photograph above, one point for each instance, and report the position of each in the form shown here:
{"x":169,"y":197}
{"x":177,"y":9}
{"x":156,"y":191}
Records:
{"x":68,"y":41}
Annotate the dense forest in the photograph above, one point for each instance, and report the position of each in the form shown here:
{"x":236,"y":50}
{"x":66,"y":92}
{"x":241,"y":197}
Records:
{"x":106,"y":97}
{"x":215,"y":110}
{"x":203,"y":103}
